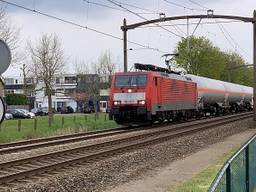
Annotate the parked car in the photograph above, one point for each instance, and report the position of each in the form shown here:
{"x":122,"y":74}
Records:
{"x":31,"y":114}
{"x":16,"y":113}
{"x":8,"y":116}
{"x":67,"y":109}
{"x":88,"y":109}
{"x":41,"y":111}
{"x":37,"y":111}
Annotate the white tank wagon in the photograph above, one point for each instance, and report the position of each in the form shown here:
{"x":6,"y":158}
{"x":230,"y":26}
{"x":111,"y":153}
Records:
{"x":222,"y":95}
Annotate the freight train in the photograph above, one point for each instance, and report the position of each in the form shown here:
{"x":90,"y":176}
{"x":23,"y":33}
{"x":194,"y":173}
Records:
{"x":157,"y":94}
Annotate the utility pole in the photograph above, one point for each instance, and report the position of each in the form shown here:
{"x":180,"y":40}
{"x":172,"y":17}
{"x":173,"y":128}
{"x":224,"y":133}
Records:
{"x":124,"y":29}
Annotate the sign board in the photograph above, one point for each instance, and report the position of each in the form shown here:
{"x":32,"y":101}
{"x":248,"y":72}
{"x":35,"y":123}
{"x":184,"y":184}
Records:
{"x":5,"y":61}
{"x":2,"y":110}
{"x":5,"y":56}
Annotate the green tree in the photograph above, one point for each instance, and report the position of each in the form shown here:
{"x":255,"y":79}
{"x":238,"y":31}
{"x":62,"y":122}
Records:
{"x":198,"y":55}
{"x":236,"y":70}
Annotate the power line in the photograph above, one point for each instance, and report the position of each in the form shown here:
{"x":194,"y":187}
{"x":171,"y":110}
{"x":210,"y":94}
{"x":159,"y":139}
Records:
{"x":140,"y":8}
{"x":113,"y":8}
{"x":137,"y":7}
{"x":177,"y":29}
{"x":223,"y":30}
{"x":78,"y":25}
{"x":234,"y":40}
{"x":236,"y":45}
{"x":102,"y":5}
{"x":200,"y":5}
{"x":119,"y":5}
{"x":183,"y":6}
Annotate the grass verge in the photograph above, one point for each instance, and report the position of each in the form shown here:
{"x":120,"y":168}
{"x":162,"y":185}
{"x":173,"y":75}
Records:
{"x":63,"y":124}
{"x":202,"y":181}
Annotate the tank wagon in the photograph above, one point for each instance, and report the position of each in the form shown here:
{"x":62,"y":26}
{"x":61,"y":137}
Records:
{"x":158,"y":94}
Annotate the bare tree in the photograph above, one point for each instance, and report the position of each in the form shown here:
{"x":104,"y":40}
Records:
{"x":105,"y":67}
{"x":87,"y":88}
{"x":25,"y":73}
{"x":10,"y":33}
{"x":47,"y":62}
{"x":80,"y":67}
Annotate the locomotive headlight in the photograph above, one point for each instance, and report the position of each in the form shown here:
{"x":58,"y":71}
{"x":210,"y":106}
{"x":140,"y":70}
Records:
{"x":117,"y":102}
{"x":129,"y":90}
{"x":142,"y":102}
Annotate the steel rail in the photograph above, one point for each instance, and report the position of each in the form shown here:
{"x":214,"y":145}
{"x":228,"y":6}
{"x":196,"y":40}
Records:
{"x":100,"y":150}
{"x":58,"y":140}
{"x":71,"y":138}
{"x":53,"y":138}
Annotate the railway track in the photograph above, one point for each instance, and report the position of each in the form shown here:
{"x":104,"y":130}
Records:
{"x":19,"y":146}
{"x":57,"y":140}
{"x":16,"y":170}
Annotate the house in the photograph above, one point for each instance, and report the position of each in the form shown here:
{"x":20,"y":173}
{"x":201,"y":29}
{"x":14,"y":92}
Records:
{"x":76,"y":91}
{"x":63,"y":93}
{"x":18,"y":85}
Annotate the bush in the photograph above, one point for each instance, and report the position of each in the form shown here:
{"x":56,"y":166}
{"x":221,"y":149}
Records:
{"x":16,"y":99}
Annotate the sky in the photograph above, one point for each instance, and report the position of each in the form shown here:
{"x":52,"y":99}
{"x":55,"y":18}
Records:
{"x":86,"y":46}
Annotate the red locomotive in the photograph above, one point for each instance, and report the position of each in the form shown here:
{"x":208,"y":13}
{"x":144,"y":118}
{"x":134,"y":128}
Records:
{"x":158,"y":95}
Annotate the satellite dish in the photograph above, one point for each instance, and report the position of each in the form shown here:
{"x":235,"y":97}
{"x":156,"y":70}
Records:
{"x":5,"y":56}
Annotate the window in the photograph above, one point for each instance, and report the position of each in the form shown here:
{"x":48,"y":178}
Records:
{"x":29,"y":80}
{"x":130,"y":80}
{"x":69,"y":91}
{"x":9,"y":81}
{"x":57,"y":80}
{"x":70,"y":80}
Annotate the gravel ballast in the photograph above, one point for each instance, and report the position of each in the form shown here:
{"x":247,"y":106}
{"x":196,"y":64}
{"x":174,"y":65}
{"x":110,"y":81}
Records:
{"x":100,"y":176}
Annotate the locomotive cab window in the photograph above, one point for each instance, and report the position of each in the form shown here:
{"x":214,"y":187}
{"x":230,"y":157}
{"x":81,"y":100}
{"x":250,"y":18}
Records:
{"x":130,"y":80}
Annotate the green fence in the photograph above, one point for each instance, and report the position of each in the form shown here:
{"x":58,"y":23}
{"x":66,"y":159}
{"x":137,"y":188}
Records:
{"x":239,"y":172}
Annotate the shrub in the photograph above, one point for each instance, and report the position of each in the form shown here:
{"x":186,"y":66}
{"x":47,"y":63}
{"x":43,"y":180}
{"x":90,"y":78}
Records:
{"x":16,"y":99}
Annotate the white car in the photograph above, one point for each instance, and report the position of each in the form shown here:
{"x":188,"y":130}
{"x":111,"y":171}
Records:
{"x":8,"y":116}
{"x":32,"y":115}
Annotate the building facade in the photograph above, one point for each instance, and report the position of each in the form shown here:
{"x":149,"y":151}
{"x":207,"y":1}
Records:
{"x":63,"y":90}
{"x":68,"y":90}
{"x":17,"y":85}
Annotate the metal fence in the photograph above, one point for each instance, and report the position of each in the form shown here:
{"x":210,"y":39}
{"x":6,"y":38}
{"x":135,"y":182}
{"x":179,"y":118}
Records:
{"x":239,"y":172}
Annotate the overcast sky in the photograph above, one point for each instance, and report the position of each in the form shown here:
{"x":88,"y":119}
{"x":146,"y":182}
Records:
{"x":82,"y":44}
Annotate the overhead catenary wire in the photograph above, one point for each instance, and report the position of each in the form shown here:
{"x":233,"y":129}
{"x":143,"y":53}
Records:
{"x":119,"y":5}
{"x":79,"y":25}
{"x":114,"y":8}
{"x":224,"y":34}
{"x":183,"y":6}
{"x":200,"y":5}
{"x":230,"y":40}
{"x":137,"y":7}
{"x":177,"y":29}
{"x":235,"y":42}
{"x":102,"y":5}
